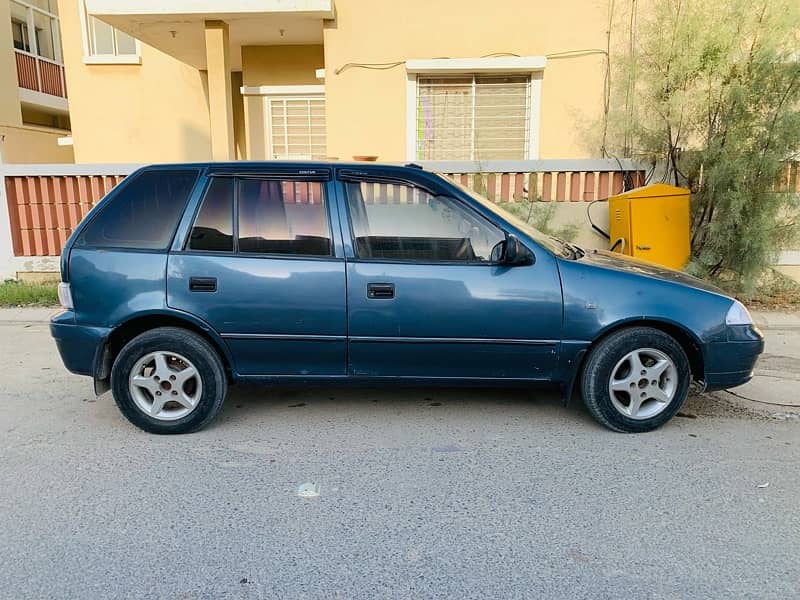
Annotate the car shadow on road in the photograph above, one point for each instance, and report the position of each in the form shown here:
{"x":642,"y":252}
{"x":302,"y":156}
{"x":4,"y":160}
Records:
{"x":247,"y":402}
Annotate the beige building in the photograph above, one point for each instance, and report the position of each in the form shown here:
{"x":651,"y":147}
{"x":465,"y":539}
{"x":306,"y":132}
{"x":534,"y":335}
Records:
{"x":34,"y":113}
{"x":178,"y":80}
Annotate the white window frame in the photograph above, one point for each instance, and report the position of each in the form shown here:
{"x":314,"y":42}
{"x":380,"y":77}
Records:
{"x":104,"y":59}
{"x":283,"y":92}
{"x":23,"y":28}
{"x":30,"y":30}
{"x":518,"y":65}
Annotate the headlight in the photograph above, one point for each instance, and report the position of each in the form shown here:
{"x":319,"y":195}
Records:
{"x":65,"y":295}
{"x":738,"y":315}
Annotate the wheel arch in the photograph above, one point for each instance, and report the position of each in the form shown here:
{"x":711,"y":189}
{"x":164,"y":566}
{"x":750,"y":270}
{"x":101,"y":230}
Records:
{"x":142,"y":322}
{"x":688,"y":341}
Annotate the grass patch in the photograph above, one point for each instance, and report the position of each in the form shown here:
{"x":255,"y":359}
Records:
{"x":19,"y":293}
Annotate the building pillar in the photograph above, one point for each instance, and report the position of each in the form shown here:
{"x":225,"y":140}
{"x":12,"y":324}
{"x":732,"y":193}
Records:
{"x":220,"y":100}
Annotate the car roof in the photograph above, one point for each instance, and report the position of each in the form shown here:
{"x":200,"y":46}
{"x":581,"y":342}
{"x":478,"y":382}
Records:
{"x":293,"y":164}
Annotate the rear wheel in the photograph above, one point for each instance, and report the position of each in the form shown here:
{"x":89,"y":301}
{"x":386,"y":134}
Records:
{"x":635,"y":380}
{"x":168,"y":380}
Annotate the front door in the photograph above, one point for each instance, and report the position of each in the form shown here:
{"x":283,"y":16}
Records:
{"x":260,"y":266}
{"x":426,"y":299}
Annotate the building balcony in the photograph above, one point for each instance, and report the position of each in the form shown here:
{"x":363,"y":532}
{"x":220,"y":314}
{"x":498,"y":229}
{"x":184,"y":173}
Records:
{"x":37,"y":53}
{"x":41,"y":81}
{"x":177,"y":27}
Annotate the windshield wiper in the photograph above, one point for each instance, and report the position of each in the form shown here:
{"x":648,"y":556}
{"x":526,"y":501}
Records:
{"x":577,"y":251}
{"x":571,"y":251}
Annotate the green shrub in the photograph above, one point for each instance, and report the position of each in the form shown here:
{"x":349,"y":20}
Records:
{"x":711,"y":89}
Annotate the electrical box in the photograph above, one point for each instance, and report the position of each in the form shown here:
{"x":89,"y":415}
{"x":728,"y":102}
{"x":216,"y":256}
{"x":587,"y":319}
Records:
{"x":651,"y":223}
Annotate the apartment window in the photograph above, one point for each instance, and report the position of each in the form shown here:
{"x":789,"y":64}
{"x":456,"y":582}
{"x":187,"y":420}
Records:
{"x":106,"y":44}
{"x":35,"y":17}
{"x":296,"y":126}
{"x":19,"y":33}
{"x":473,"y":117}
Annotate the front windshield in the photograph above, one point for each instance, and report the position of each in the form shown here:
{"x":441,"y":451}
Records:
{"x":554,"y":244}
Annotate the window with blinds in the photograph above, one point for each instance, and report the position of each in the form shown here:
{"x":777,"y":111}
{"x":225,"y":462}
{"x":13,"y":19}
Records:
{"x":473,"y":117}
{"x":297,"y":127}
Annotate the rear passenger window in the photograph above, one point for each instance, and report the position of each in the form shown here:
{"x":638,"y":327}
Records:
{"x":213,"y":227}
{"x":283,"y":217}
{"x":144,"y":213}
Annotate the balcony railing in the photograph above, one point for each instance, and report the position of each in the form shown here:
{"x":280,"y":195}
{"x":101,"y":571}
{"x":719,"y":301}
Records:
{"x":40,"y":74}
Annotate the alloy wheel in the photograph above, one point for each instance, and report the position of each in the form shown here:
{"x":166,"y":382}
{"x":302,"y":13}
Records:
{"x":643,"y":383}
{"x":165,"y":385}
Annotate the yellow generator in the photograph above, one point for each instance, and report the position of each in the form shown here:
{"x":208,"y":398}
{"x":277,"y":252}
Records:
{"x":651,"y":223}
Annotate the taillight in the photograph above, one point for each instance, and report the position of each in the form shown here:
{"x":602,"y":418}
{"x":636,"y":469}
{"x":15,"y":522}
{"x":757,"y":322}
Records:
{"x":65,"y":295}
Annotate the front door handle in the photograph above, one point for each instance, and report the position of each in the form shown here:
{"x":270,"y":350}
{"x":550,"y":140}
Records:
{"x":380,"y":291}
{"x":202,"y":284}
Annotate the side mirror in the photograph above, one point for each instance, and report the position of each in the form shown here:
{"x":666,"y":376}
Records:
{"x":514,"y":253}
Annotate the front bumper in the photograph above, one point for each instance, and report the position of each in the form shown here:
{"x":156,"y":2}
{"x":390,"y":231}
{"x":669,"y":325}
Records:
{"x":78,"y":345}
{"x":731,"y":363}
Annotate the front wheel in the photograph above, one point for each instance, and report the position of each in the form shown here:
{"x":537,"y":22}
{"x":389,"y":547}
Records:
{"x":635,"y":380}
{"x":168,"y":380}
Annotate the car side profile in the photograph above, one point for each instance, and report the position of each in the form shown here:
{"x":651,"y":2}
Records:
{"x":187,"y":278}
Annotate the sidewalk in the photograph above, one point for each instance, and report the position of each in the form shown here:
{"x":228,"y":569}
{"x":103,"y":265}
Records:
{"x":776,"y":381}
{"x":776,"y":320}
{"x":27,"y":315}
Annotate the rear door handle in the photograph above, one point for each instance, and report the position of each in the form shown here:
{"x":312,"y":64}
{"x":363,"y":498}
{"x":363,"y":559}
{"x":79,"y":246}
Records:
{"x":380,"y":291}
{"x":202,"y":284}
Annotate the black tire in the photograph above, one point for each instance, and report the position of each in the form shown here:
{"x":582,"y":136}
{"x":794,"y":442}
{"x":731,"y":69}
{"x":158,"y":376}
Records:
{"x":597,"y":373}
{"x":188,"y":344}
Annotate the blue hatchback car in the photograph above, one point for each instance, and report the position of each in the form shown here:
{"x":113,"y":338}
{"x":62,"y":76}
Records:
{"x":186,"y":278}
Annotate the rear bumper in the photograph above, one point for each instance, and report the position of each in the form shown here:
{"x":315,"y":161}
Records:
{"x":78,"y":345}
{"x":731,"y":363}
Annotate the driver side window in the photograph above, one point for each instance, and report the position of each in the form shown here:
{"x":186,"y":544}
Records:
{"x":401,"y":222}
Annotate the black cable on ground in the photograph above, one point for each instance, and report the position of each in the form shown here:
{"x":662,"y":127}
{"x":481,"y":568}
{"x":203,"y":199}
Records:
{"x":760,"y":401}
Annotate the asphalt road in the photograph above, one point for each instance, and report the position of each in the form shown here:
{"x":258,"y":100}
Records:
{"x":423,"y":494}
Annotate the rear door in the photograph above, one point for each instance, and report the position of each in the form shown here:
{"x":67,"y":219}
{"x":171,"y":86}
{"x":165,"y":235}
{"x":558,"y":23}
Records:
{"x":262,"y":263}
{"x":425,"y":298}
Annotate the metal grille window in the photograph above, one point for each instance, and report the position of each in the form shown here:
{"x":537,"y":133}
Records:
{"x":473,"y":117}
{"x":297,"y":127}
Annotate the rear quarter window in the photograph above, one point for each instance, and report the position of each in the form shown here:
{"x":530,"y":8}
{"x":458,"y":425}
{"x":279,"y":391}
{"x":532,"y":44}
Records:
{"x":143,"y":214}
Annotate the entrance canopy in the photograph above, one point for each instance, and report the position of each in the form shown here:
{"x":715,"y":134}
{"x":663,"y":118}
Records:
{"x":177,"y":27}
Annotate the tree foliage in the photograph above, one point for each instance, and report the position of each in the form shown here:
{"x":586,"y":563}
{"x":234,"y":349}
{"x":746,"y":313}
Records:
{"x":711,"y":89}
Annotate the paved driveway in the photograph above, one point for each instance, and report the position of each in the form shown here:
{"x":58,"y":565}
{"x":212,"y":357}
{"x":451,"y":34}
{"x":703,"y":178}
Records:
{"x":423,"y":493}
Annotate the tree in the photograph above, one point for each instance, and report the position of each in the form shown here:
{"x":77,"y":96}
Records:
{"x":711,"y":89}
